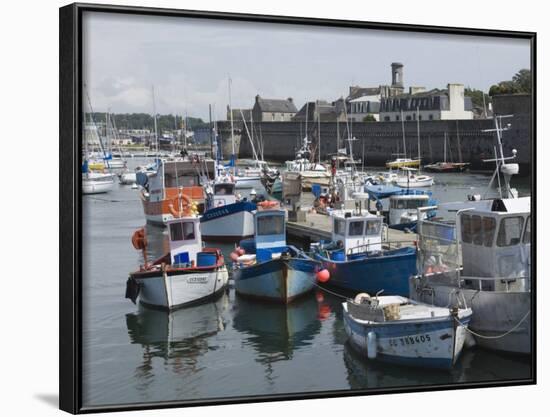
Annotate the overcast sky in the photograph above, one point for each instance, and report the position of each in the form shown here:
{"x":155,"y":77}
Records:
{"x":188,"y":61}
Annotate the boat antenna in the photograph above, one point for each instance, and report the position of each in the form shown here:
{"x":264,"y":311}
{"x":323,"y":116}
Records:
{"x":95,"y":126}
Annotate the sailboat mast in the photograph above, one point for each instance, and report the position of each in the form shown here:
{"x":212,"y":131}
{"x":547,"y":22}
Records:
{"x":155,"y":123}
{"x":445,"y":148}
{"x":418,"y":129}
{"x":318,"y":130}
{"x":232,"y":130}
{"x":403,"y":130}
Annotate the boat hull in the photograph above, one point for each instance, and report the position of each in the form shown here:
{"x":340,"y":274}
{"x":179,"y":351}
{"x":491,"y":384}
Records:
{"x":229,"y":223}
{"x":97,"y":187}
{"x":280,"y":280}
{"x":435,"y":343}
{"x":494,"y":313}
{"x":390,"y":272}
{"x":401,"y":164}
{"x":174,"y":289}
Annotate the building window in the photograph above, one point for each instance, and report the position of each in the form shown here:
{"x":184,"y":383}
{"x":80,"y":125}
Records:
{"x":273,"y":117}
{"x":419,"y":117}
{"x":408,"y":118}
{"x":386,"y":118}
{"x":431,"y":117}
{"x":397,"y":118}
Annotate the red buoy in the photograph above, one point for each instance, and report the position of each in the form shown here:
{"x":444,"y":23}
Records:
{"x":323,"y":275}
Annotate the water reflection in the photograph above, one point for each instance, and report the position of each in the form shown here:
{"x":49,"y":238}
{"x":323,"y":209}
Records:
{"x":179,"y":337}
{"x":275,"y":330}
{"x":475,"y":364}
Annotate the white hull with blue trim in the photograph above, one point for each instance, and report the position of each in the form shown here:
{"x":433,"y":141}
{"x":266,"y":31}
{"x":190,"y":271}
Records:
{"x":421,"y":335}
{"x":231,"y":222}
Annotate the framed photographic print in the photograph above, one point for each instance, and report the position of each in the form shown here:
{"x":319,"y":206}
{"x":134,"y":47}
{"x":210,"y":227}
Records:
{"x":258,"y":208}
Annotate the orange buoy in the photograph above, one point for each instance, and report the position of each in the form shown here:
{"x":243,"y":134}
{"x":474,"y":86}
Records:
{"x":139,"y":240}
{"x":323,"y":275}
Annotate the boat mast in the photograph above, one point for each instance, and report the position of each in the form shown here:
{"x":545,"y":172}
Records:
{"x":318,"y":129}
{"x":232,"y":130}
{"x":155,"y":122}
{"x":403,"y":130}
{"x":445,"y":148}
{"x":418,"y":131}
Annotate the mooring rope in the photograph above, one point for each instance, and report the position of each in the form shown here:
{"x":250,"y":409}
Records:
{"x":497,"y":336}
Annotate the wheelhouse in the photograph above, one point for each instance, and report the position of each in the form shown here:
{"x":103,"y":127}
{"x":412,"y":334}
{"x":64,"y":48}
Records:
{"x":269,"y":233}
{"x":185,"y":240}
{"x":357,"y":232}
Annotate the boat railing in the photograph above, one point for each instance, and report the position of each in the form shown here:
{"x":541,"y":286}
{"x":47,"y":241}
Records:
{"x":387,"y":245}
{"x":505,"y":280}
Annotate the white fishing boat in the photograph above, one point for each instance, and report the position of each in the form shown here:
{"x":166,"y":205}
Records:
{"x":397,"y":330}
{"x":188,"y":274}
{"x":484,"y":263}
{"x":225,"y":219}
{"x":412,"y":180}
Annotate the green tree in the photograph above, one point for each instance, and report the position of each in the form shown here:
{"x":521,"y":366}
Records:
{"x":369,"y":118}
{"x":520,"y":83}
{"x":477,"y":97}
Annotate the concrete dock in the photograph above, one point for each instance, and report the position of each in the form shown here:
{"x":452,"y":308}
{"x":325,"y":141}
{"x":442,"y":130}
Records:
{"x":318,"y":227}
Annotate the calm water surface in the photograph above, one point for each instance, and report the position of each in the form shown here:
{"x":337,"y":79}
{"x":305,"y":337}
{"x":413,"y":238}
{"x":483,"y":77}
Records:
{"x":232,"y":346}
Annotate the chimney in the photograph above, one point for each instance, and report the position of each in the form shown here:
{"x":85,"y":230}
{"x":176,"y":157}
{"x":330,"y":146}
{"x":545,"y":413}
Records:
{"x":257,"y":98}
{"x":456,"y":97}
{"x":397,"y":75}
{"x":290,"y":99}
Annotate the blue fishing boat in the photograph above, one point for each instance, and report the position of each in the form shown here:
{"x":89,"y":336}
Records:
{"x":356,"y":260}
{"x":402,"y":210}
{"x":266,"y":267}
{"x":398,"y":330}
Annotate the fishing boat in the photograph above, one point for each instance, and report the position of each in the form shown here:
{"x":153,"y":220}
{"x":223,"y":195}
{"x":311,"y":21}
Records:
{"x":356,"y":260}
{"x":225,"y":219}
{"x":303,"y":164}
{"x":267,"y":267}
{"x":401,"y":211}
{"x":176,"y":181}
{"x":186,"y":275}
{"x":412,"y":180}
{"x":398,"y":330}
{"x":482,"y":261}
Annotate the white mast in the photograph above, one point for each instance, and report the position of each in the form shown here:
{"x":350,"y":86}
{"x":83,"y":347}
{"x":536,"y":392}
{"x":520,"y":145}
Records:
{"x":231,"y":117}
{"x":403,"y":130}
{"x":155,"y":122}
{"x":418,"y":130}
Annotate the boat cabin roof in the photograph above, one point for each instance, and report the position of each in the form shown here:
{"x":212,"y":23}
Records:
{"x":410,"y":197}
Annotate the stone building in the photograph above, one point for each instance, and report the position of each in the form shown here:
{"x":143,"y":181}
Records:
{"x":273,"y":110}
{"x":322,"y":110}
{"x":365,"y":101}
{"x":436,"y":104}
{"x":238,"y":114}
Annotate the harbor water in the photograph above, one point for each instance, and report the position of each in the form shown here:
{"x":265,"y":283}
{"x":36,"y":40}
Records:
{"x":232,"y":346}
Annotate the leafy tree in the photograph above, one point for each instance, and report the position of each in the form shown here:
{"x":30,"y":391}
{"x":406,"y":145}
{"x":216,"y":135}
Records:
{"x":520,"y":83}
{"x":369,"y":118}
{"x":477,"y":97}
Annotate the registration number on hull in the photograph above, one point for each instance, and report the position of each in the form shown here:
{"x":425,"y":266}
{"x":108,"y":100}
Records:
{"x":409,"y":340}
{"x":198,"y":279}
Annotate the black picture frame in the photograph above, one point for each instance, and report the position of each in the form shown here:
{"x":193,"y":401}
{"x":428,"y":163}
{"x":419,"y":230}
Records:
{"x":70,"y":237}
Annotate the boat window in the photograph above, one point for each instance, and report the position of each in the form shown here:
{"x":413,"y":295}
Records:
{"x":413,"y":204}
{"x":223,"y":189}
{"x":527,"y":233}
{"x":182,"y":231}
{"x":465,"y":225}
{"x":401,"y":204}
{"x":509,"y":233}
{"x":489,"y":227}
{"x":356,"y":228}
{"x":475,"y":228}
{"x":339,"y":227}
{"x":271,"y":225}
{"x":373,"y":227}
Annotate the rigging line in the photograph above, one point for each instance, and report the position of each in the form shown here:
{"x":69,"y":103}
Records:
{"x":497,"y":336}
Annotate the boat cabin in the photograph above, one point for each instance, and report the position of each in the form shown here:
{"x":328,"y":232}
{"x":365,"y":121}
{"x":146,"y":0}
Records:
{"x":184,"y":236}
{"x":223,"y":193}
{"x":496,"y":244}
{"x":403,"y":207}
{"x":269,"y":233}
{"x":357,"y":232}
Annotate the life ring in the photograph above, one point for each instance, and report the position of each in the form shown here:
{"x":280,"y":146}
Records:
{"x":182,"y":201}
{"x":139,"y":240}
